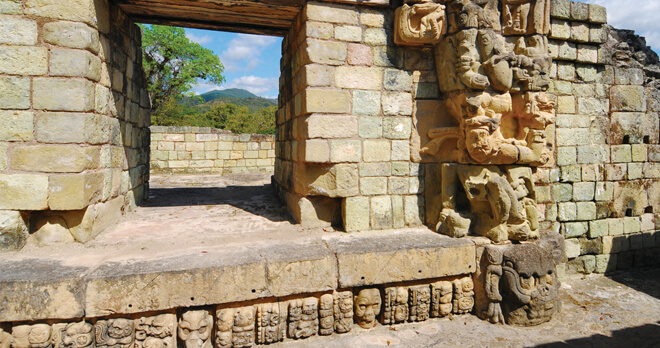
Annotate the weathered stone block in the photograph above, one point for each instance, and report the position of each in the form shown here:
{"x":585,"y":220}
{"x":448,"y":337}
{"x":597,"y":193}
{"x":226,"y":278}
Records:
{"x":72,"y":192}
{"x":359,"y":77}
{"x":397,"y":104}
{"x":586,"y":211}
{"x":324,"y":52}
{"x":598,"y":228}
{"x":366,"y":103}
{"x":321,"y":126}
{"x":621,"y":153}
{"x":11,"y":7}
{"x":75,"y":10}
{"x":60,"y":94}
{"x":580,"y":32}
{"x":373,"y":186}
{"x":16,"y":125}
{"x":24,"y":192}
{"x":55,"y":158}
{"x":376,"y":150}
{"x":560,"y":29}
{"x":605,"y":263}
{"x":572,"y":247}
{"x":18,"y":31}
{"x":345,"y":151}
{"x":401,"y":150}
{"x":13,"y":230}
{"x":561,"y":9}
{"x":318,"y":75}
{"x":326,"y":101}
{"x":566,"y":156}
{"x":375,"y":36}
{"x":574,"y":229}
{"x":318,"y":30}
{"x":19,"y":60}
{"x":348,"y":33}
{"x":75,"y":63}
{"x":359,"y":54}
{"x":72,"y":35}
{"x":597,"y":14}
{"x":397,"y":80}
{"x":340,"y":180}
{"x":562,"y":192}
{"x":593,"y":154}
{"x":398,"y":186}
{"x":567,"y":211}
{"x":355,"y":214}
{"x":592,"y":107}
{"x":583,"y":191}
{"x":628,"y":98}
{"x":566,"y":104}
{"x":375,"y":169}
{"x":14,"y":92}
{"x":397,"y":127}
{"x":324,"y":12}
{"x":572,"y":137}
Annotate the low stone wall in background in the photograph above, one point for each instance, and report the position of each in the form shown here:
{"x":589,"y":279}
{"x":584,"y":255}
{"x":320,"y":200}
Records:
{"x":176,"y":150}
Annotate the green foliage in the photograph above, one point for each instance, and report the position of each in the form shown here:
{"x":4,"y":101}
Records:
{"x":173,"y":64}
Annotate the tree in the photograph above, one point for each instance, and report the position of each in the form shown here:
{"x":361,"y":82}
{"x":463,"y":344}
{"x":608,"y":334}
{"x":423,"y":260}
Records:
{"x":173,"y":64}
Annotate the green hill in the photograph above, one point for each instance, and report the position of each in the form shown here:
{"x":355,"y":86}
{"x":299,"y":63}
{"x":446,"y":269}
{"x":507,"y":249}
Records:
{"x":232,"y":92}
{"x":236,"y":96}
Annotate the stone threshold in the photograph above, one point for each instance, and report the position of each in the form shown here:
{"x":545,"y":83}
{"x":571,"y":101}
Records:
{"x":61,"y":288}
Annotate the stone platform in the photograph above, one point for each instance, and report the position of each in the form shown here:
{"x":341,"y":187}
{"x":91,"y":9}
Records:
{"x":209,"y":240}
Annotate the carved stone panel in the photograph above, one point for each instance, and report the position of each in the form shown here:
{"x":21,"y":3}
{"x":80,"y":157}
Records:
{"x":73,"y":335}
{"x":463,"y":300}
{"x":419,"y":300}
{"x":303,"y":317}
{"x":395,"y":305}
{"x":158,"y":331}
{"x":367,"y":304}
{"x":441,"y":299}
{"x":419,"y":24}
{"x":195,"y":327}
{"x":243,"y":329}
{"x":32,"y":336}
{"x":5,"y":336}
{"x":326,"y":315}
{"x":343,"y":311}
{"x":114,"y":333}
{"x":271,"y":322}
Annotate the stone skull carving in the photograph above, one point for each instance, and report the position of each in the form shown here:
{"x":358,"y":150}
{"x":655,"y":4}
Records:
{"x":367,"y":307}
{"x":195,"y":328}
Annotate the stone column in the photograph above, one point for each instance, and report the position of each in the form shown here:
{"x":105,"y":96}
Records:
{"x":73,"y":120}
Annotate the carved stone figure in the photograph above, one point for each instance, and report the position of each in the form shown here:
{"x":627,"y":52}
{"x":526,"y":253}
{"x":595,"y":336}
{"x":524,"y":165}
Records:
{"x":326,"y":315}
{"x":419,"y":300}
{"x":224,"y":323}
{"x":395,"y":305}
{"x":158,"y":331}
{"x":463,"y":300}
{"x":195,"y":327}
{"x":441,"y":299}
{"x":502,"y":205}
{"x":422,"y":23}
{"x":367,"y":307}
{"x":243,"y":329}
{"x":271,"y":322}
{"x":525,"y":17}
{"x":114,"y":333}
{"x":31,"y":336}
{"x":303,"y":317}
{"x":5,"y":337}
{"x":73,"y":335}
{"x":343,"y":310}
{"x":520,"y":284}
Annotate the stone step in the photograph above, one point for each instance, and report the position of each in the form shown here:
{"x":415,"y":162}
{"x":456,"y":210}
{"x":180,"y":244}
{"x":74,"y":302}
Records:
{"x":55,"y":287}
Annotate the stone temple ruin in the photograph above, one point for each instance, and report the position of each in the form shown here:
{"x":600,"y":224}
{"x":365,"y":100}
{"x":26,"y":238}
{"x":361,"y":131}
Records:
{"x":524,"y":132}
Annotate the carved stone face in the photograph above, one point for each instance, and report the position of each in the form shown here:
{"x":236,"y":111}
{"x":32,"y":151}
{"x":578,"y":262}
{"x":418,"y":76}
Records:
{"x":309,"y":306}
{"x":326,"y":302}
{"x":244,"y":317}
{"x":195,"y":328}
{"x":120,"y":328}
{"x":367,"y":307}
{"x":346,"y":305}
{"x":78,"y":335}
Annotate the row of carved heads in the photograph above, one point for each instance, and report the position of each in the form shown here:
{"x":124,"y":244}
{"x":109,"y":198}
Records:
{"x":263,"y":323}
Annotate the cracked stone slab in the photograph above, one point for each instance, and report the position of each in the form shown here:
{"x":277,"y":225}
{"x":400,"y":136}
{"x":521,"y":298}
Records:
{"x":382,"y":257}
{"x":204,"y":277}
{"x":300,"y":267}
{"x":35,"y":289}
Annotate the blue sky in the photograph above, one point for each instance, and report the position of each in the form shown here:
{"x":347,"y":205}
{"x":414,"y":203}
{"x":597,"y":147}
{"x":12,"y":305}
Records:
{"x":252,"y":62}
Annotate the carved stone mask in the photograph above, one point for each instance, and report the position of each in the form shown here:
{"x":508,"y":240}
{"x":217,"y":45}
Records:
{"x":367,"y":307}
{"x":195,"y":328}
{"x":78,"y":335}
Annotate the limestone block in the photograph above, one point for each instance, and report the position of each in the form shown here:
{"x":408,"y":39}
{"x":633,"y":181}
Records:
{"x":51,"y":229}
{"x":593,"y":154}
{"x":566,"y":104}
{"x":375,"y":169}
{"x":583,"y":191}
{"x":572,"y":248}
{"x":75,"y":63}
{"x":175,"y":281}
{"x":13,"y":230}
{"x":77,"y":10}
{"x":572,"y":137}
{"x":397,"y":80}
{"x":314,"y":150}
{"x":571,"y":173}
{"x":628,"y":98}
{"x":561,"y":9}
{"x":412,"y":210}
{"x":77,"y":191}
{"x":317,"y":75}
{"x":41,"y":289}
{"x":397,"y":104}
{"x":575,"y":229}
{"x":381,"y":212}
{"x":579,"y":11}
{"x":324,"y":52}
{"x":359,"y":54}
{"x":567,"y":211}
{"x":580,"y":32}
{"x":56,"y":159}
{"x":3,"y":156}
{"x":376,"y":150}
{"x":398,"y":186}
{"x":18,"y":60}
{"x":324,"y":12}
{"x":388,"y":56}
{"x":568,"y":51}
{"x":322,"y":126}
{"x":355,"y":213}
{"x":365,"y":78}
{"x":373,"y":186}
{"x":390,"y":257}
{"x":18,"y":31}
{"x":24,"y":192}
{"x":345,"y":151}
{"x":397,"y":127}
{"x":598,"y":228}
{"x":588,"y":54}
{"x":560,"y":29}
{"x":401,"y":151}
{"x":586,"y":211}
{"x":11,"y":7}
{"x":640,"y":152}
{"x":366,"y":103}
{"x":348,"y":33}
{"x":562,"y":192}
{"x":326,"y":101}
{"x":16,"y":125}
{"x":621,"y":153}
{"x":635,"y":171}
{"x":60,"y":94}
{"x":565,"y":71}
{"x":339,"y":180}
{"x":372,"y":18}
{"x":72,"y":35}
{"x":604,"y":191}
{"x":592,"y":107}
{"x":375,"y":36}
{"x":14,"y":92}
{"x":597,"y":35}
{"x":566,"y":156}
{"x":597,"y":14}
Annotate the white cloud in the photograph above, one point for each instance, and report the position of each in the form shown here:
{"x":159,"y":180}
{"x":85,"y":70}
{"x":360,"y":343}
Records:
{"x":638,"y":15}
{"x":202,"y":40}
{"x":243,"y":52}
{"x":261,"y":86}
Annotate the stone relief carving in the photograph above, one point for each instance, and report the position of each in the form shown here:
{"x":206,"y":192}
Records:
{"x":463,"y":300}
{"x":243,"y":329}
{"x":520,"y":284}
{"x":367,"y":307}
{"x":441,"y":299}
{"x":114,"y":333}
{"x":303,"y":317}
{"x":271,"y":322}
{"x":31,"y":336}
{"x":235,"y":327}
{"x":419,"y":299}
{"x":158,"y":331}
{"x":73,"y":335}
{"x":5,"y":337}
{"x":421,"y":23}
{"x":195,"y":328}
{"x":343,"y":311}
{"x":224,"y":323}
{"x":326,"y":315}
{"x":395,"y":305}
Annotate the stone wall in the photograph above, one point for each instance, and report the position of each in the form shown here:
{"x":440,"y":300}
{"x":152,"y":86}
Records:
{"x":73,"y":120}
{"x":177,"y":150}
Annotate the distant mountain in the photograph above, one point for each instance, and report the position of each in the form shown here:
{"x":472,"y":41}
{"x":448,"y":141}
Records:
{"x":232,"y":92}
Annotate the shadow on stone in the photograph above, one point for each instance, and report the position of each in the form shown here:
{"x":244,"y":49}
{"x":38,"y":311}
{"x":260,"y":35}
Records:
{"x":646,"y":280}
{"x":641,"y":336}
